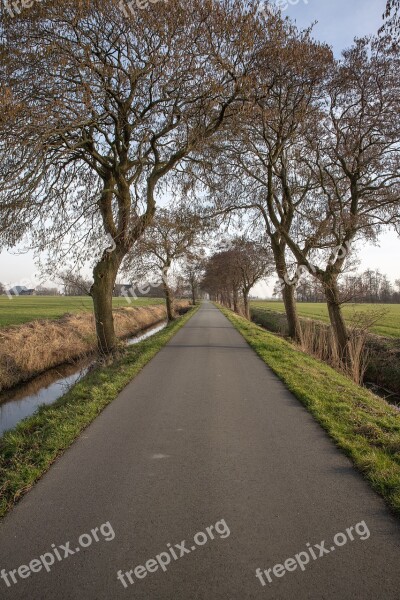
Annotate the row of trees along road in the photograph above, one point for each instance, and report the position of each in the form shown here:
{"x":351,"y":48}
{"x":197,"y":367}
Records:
{"x":315,"y":158}
{"x":231,"y":272}
{"x":100,"y":112}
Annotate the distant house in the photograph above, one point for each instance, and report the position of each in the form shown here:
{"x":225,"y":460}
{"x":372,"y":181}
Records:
{"x":21,"y":290}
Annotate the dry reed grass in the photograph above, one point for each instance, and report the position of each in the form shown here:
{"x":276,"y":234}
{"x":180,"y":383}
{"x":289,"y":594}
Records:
{"x":29,"y":349}
{"x":318,"y":340}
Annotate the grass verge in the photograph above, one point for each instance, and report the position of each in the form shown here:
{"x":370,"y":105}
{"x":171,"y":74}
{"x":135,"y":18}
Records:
{"x":383,"y":353}
{"x":361,"y":424}
{"x":29,"y":450}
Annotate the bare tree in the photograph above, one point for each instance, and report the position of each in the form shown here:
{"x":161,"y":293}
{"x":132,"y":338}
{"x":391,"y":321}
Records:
{"x":254,"y":262}
{"x":193,"y":271}
{"x":355,"y":161}
{"x":391,"y":27}
{"x":75,"y":284}
{"x":104,"y":107}
{"x":41,"y":290}
{"x":222,"y":279}
{"x":231,"y":273}
{"x":173,"y":235}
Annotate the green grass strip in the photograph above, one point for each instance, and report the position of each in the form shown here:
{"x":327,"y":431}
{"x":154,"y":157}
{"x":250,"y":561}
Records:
{"x":361,"y":424}
{"x":388,"y":323}
{"x":29,"y":450}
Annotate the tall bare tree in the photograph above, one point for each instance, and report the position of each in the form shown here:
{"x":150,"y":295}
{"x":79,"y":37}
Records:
{"x":231,"y":273}
{"x":193,"y":270}
{"x":104,"y":107}
{"x":222,"y":279}
{"x":354,"y":160}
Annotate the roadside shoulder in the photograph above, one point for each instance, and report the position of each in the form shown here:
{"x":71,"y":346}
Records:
{"x":363,"y":425}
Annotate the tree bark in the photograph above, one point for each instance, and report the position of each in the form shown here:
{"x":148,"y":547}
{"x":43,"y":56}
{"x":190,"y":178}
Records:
{"x":246,"y":303}
{"x":104,"y":275}
{"x":337,"y":321}
{"x":235,"y":300}
{"x":169,"y":302}
{"x":106,"y":270}
{"x":289,"y":301}
{"x":288,"y":291}
{"x":193,"y":294}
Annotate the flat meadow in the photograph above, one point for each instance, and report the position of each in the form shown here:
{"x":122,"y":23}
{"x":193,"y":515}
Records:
{"x":388,"y":324}
{"x":23,"y":309}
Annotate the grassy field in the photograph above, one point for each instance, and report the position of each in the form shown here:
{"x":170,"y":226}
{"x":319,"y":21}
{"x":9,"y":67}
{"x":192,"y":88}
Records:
{"x":387,"y":325}
{"x":22,"y":309}
{"x":365,"y":427}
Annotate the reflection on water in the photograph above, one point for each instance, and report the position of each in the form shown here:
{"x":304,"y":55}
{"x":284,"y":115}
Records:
{"x":22,"y":402}
{"x":147,"y":334}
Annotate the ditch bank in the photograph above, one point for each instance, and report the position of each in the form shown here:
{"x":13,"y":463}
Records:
{"x":23,"y":400}
{"x":382,"y":374}
{"x":33,"y":348}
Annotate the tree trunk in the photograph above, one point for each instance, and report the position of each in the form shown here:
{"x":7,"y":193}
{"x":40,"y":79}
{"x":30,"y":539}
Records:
{"x":193,"y":294}
{"x":337,"y":321}
{"x":235,"y":300}
{"x":294,"y":326}
{"x":104,"y":275}
{"x":246,"y":304}
{"x":168,"y":294}
{"x":106,"y":270}
{"x":169,"y":302}
{"x":288,"y":291}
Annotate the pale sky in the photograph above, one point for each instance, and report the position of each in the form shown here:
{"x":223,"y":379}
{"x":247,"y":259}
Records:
{"x":339,"y":21}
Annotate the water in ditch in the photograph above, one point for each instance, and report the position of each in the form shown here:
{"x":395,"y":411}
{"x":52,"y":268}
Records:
{"x":24,"y":400}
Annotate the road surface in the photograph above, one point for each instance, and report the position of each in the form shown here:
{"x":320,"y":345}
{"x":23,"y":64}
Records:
{"x":205,"y":446}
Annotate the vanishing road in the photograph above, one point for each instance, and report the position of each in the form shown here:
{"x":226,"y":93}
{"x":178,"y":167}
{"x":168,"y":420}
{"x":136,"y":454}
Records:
{"x":204,"y":436}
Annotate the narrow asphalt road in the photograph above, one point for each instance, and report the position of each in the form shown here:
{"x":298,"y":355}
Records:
{"x":205,"y":436}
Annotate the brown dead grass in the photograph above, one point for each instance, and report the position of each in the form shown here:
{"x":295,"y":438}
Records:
{"x":319,"y":341}
{"x":29,"y":349}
